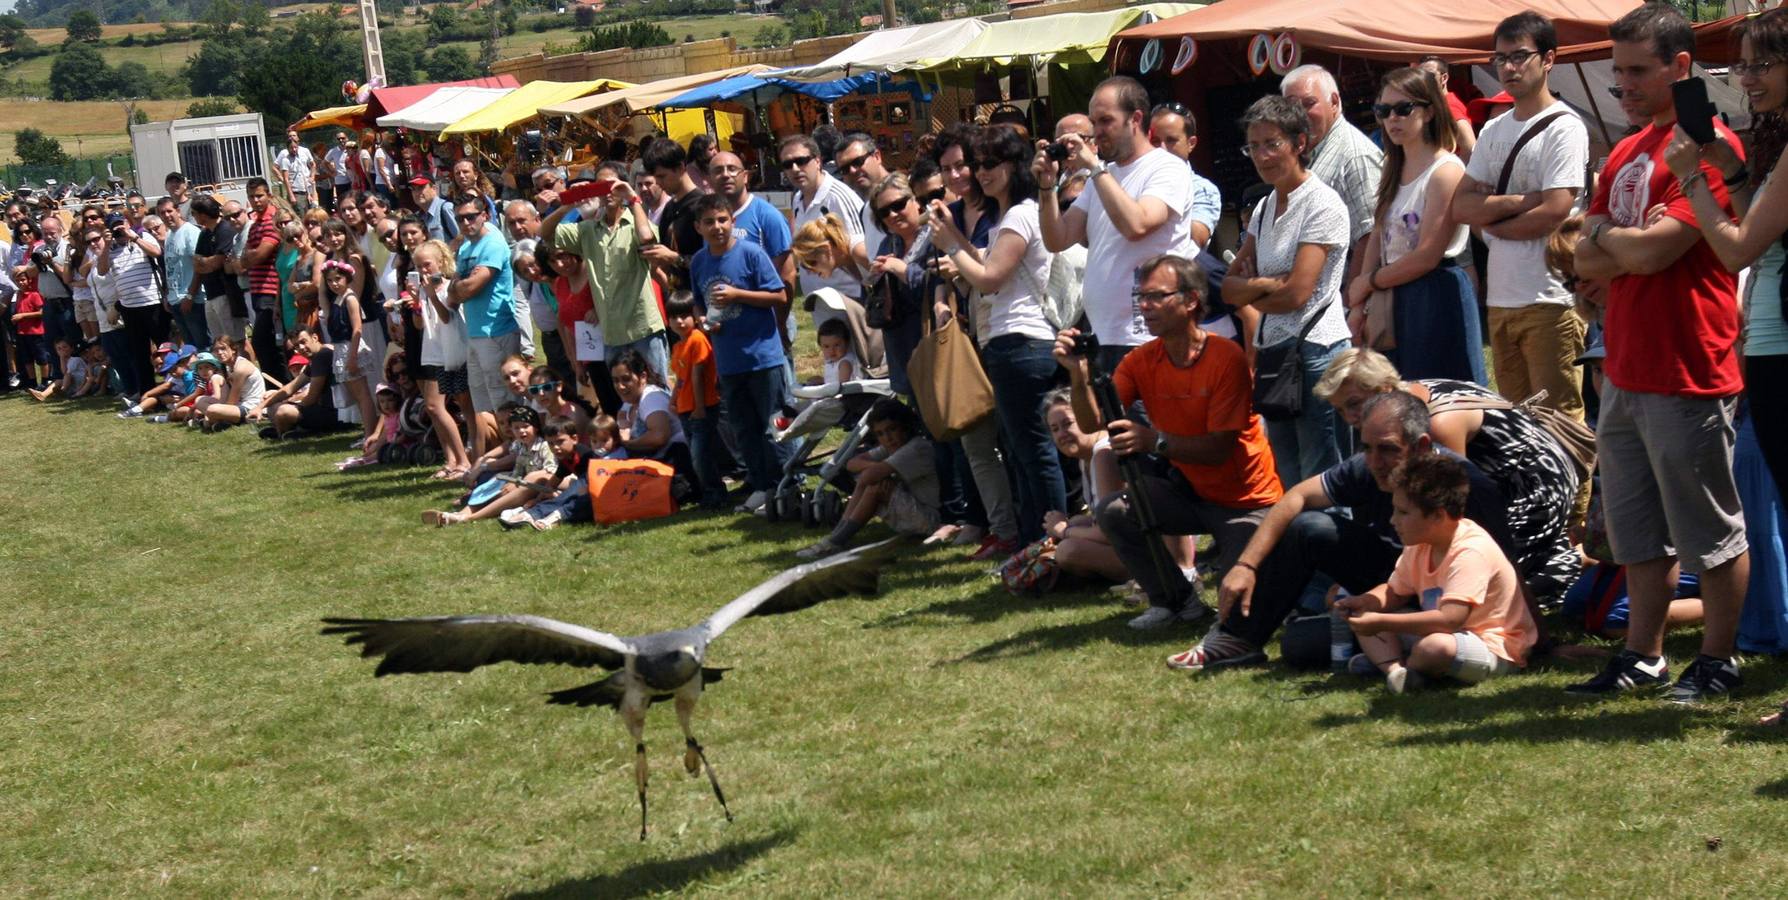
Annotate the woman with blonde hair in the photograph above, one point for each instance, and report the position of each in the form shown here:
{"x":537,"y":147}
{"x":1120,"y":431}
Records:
{"x":443,"y":371}
{"x":1414,"y":247}
{"x":824,"y":249}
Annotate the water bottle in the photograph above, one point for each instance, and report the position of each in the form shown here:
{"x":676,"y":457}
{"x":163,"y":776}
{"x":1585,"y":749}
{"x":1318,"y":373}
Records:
{"x":1341,"y":643}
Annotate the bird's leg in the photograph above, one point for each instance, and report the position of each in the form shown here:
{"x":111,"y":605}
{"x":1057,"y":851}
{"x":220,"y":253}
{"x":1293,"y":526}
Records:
{"x":636,"y":726}
{"x":693,"y":754}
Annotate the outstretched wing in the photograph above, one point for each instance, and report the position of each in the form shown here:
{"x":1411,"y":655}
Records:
{"x":852,"y":572}
{"x":463,"y":643}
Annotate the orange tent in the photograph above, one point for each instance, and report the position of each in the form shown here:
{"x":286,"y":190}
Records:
{"x":1382,"y":30}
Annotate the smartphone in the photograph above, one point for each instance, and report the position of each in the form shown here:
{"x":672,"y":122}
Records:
{"x":589,"y":190}
{"x":1694,"y":112}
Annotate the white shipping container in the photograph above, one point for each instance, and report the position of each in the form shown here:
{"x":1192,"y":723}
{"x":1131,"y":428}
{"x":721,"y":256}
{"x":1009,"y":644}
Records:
{"x":217,"y":154}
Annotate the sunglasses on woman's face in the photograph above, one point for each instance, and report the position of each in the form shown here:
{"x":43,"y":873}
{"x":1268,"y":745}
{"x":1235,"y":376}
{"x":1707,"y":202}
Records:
{"x":895,"y":207}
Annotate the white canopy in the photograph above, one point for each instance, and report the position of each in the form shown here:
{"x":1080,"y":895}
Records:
{"x":894,"y":50}
{"x":443,"y":108}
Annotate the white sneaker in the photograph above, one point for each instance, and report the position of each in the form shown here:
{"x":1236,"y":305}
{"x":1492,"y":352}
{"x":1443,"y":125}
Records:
{"x":513,"y":518}
{"x":753,"y":503}
{"x":1154,"y":617}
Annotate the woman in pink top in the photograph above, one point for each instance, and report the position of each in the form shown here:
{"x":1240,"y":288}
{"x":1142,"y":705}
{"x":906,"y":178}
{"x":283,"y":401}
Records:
{"x":1453,"y":605}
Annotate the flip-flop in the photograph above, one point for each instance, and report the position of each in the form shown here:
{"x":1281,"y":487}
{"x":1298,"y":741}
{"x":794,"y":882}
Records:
{"x":434,"y":517}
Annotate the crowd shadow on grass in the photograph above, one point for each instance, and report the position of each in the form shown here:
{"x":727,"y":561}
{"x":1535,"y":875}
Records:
{"x":662,"y":876}
{"x":990,"y":603}
{"x":1773,"y":790}
{"x":1053,"y":638}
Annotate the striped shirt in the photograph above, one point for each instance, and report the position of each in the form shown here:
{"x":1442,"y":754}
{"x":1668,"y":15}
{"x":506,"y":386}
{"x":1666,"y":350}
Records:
{"x":133,"y":275}
{"x":263,"y":278}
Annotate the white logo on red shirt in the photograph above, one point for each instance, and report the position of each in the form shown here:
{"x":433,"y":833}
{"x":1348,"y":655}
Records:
{"x":1630,"y":193}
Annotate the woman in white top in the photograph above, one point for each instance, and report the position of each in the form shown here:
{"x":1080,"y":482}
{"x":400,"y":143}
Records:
{"x":1290,"y":269}
{"x":1435,"y":331}
{"x":245,"y":387}
{"x":1016,"y":337}
{"x":443,"y":358}
{"x":650,"y":427}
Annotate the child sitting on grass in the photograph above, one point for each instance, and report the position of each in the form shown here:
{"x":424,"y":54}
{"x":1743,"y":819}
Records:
{"x":1453,"y":605}
{"x":532,"y":460}
{"x":176,"y":382}
{"x":74,"y":373}
{"x":896,"y":480}
{"x":390,"y":428}
{"x":562,"y":496}
{"x":208,"y":382}
{"x":835,"y":350}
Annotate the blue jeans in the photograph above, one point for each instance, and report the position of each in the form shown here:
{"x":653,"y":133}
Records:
{"x":1022,"y":371}
{"x":653,"y":347}
{"x":193,"y":328}
{"x":116,"y":343}
{"x":1311,"y":443}
{"x":753,"y":400}
{"x":705,"y":447}
{"x":55,"y":325}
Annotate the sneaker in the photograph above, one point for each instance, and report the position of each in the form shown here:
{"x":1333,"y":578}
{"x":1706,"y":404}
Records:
{"x":1196,"y":611}
{"x":819,"y":550}
{"x":131,"y":413}
{"x":1707,"y":678}
{"x":1125,"y":589}
{"x":969,"y":536}
{"x":159,"y":420}
{"x":126,"y":402}
{"x":269,"y":433}
{"x":992,"y":547}
{"x":1404,"y":679}
{"x":12,"y":382}
{"x":1217,"y":651}
{"x":1154,"y":617}
{"x":753,"y":503}
{"x":1626,"y":671}
{"x":1359,"y":664}
{"x":513,"y":518}
{"x":547,"y":522}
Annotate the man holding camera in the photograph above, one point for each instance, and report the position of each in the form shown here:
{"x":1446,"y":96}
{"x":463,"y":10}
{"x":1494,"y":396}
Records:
{"x":51,"y":264}
{"x":1197,"y":390}
{"x":1138,"y":207}
{"x":124,"y":258}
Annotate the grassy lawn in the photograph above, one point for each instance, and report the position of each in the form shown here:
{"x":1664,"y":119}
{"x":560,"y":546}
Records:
{"x":162,"y":59}
{"x":174,"y":724}
{"x":86,"y":129}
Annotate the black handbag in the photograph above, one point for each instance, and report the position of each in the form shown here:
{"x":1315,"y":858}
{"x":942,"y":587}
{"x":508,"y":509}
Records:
{"x":1279,"y":375}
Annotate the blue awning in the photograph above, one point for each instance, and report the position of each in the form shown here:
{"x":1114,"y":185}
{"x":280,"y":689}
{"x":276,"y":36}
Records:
{"x":763,"y":88}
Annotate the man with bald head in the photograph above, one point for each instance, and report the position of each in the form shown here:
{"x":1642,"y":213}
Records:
{"x":754,"y":219}
{"x":1340,"y":154}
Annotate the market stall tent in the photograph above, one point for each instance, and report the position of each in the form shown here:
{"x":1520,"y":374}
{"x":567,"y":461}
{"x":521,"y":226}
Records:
{"x":1064,"y":39}
{"x":648,"y":95}
{"x":381,"y":102}
{"x":352,"y":117}
{"x":766,"y":87}
{"x":893,"y":50}
{"x":443,"y":108}
{"x":524,"y":103}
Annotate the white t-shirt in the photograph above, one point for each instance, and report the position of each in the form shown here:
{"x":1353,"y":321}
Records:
{"x":439,"y":335}
{"x":1516,"y":274}
{"x":1403,"y":226}
{"x":338,"y":157}
{"x":1314,"y":214}
{"x":836,"y":198}
{"x":297,"y":167}
{"x":1016,"y":307}
{"x":76,"y":368}
{"x":1112,"y":259}
{"x":653,"y":400}
{"x":873,"y":235}
{"x":831,"y":369}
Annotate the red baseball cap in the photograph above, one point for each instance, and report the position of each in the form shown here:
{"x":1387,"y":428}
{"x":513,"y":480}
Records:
{"x":419,"y":181}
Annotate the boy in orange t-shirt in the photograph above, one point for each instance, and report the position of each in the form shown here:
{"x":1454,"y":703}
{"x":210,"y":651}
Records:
{"x":1453,"y":605}
{"x":697,"y":396}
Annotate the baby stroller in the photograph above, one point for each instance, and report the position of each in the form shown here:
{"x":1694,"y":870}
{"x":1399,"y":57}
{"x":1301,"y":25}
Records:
{"x":416,"y":443}
{"x":827,"y":407}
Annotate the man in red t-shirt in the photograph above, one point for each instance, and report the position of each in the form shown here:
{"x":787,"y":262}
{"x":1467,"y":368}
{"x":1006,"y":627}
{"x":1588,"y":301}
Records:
{"x":258,"y":257}
{"x":1198,"y":393}
{"x":1666,"y":432}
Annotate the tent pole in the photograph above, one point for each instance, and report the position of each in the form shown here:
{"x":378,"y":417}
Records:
{"x":1600,"y":122}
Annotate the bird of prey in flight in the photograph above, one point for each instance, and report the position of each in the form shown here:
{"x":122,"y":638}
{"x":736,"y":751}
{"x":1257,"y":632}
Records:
{"x":644,"y":669}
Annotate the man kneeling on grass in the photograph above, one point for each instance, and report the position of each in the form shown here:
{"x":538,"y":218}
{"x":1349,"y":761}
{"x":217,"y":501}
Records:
{"x":1453,"y":605}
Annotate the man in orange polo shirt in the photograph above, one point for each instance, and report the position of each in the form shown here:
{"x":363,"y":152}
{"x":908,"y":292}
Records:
{"x":1197,"y":391}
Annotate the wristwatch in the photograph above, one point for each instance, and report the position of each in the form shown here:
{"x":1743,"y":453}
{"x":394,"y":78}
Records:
{"x":1161,"y":444}
{"x":1104,"y":168}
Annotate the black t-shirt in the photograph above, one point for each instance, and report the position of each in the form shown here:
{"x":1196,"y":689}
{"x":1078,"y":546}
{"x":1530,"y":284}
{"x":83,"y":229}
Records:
{"x":1351,"y":484}
{"x":322,"y":365}
{"x":221,"y":241}
{"x":676,"y":226}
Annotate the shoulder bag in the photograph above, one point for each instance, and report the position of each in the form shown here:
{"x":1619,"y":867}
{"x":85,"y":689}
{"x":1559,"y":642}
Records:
{"x":949,"y":385}
{"x":1279,"y":374}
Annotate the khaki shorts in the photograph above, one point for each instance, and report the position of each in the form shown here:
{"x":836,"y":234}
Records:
{"x":904,"y":513}
{"x":85,"y":312}
{"x":1667,"y":485}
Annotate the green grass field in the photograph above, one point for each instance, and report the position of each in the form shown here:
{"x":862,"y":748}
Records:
{"x":175,"y":726}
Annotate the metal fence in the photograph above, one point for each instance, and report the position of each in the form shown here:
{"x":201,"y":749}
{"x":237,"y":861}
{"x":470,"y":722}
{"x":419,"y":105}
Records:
{"x":76,"y":172}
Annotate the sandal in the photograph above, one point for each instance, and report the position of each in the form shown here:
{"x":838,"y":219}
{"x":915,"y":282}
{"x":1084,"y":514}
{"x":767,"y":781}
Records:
{"x":1775,"y":719}
{"x":434,"y":517}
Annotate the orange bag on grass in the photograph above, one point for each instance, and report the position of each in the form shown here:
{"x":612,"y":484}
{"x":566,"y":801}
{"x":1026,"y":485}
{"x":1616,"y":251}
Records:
{"x":630,"y":490}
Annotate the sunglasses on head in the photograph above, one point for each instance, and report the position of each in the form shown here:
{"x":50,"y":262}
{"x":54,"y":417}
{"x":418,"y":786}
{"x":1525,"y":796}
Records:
{"x":882,"y":212}
{"x":796,"y":162}
{"x":1178,"y":109}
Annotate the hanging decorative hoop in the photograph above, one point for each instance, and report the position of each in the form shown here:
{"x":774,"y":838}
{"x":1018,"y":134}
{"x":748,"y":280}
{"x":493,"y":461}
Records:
{"x":1286,"y":53}
{"x":1260,"y":52}
{"x":1188,"y":54}
{"x":1151,"y":57}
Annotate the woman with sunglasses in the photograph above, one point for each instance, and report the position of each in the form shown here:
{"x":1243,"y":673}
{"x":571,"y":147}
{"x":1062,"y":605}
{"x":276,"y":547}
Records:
{"x":1414,"y":248}
{"x":1016,"y":338}
{"x":297,"y":266}
{"x":900,"y":297}
{"x":80,"y":290}
{"x":1290,"y":268}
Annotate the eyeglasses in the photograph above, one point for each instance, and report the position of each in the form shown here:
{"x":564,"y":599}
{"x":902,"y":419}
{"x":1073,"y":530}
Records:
{"x":854,"y":164}
{"x":93,"y":217}
{"x":1400,"y":110}
{"x":467,"y":217}
{"x":388,"y":235}
{"x":882,"y":212}
{"x":988,"y":165}
{"x":1517,"y":58}
{"x":1757,"y":69}
{"x":1253,"y":151}
{"x":240,"y":214}
{"x":796,"y":162}
{"x":1153,"y":297}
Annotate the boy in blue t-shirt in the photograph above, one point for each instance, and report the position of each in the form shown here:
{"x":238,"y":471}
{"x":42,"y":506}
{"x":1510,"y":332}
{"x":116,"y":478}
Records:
{"x":738,"y":281}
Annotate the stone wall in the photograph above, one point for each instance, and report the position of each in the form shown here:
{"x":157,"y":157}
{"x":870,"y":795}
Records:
{"x":651,"y":64}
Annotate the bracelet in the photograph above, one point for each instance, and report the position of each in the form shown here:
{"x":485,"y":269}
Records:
{"x":1246,"y":565}
{"x":1372,"y":281}
{"x":1697,"y":175}
{"x":1739,"y":178}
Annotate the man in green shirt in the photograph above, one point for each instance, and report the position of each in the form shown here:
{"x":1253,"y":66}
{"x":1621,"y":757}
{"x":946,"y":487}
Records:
{"x":610,"y":236}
